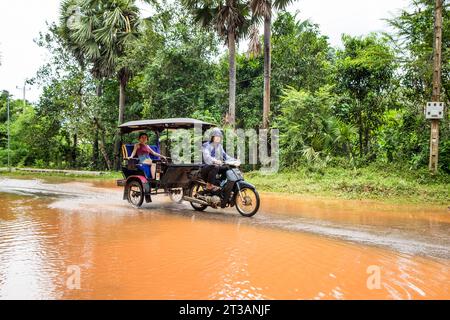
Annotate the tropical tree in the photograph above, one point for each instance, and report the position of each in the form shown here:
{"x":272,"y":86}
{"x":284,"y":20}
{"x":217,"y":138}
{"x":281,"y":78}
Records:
{"x":413,"y":37}
{"x":100,"y":33}
{"x":301,"y":57}
{"x":230,"y":19}
{"x":64,"y":81}
{"x":364,"y":74}
{"x":69,"y":17}
{"x":177,"y":76}
{"x":263,"y":9}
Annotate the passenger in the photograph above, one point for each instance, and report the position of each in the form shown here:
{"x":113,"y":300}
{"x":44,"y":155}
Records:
{"x":143,"y":151}
{"x":213,"y":156}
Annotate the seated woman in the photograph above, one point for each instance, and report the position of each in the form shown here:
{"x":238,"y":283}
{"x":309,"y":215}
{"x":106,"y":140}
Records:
{"x":143,"y":151}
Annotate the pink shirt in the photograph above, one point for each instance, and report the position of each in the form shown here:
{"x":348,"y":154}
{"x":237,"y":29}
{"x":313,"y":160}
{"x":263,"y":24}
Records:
{"x":143,"y":150}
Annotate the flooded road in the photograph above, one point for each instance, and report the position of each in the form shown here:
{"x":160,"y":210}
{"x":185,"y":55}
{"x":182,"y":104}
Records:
{"x":54,"y":233}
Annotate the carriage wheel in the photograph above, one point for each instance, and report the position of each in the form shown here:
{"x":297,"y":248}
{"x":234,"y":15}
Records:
{"x":135,"y":194}
{"x":176,"y":195}
{"x":196,"y":188}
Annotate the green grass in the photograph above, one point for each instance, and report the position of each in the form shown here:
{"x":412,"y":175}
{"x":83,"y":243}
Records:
{"x":379,"y":182}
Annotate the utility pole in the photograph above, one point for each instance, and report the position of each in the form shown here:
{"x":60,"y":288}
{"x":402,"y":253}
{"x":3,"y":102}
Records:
{"x":24,"y":89}
{"x":9,"y":134}
{"x":437,"y":61}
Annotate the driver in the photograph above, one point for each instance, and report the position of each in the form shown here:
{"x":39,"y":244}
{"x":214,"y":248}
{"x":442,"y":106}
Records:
{"x":213,"y":156}
{"x":143,"y":151}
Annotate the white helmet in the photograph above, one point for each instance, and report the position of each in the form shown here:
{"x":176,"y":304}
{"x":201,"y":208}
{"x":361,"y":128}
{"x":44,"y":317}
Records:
{"x":216,"y":132}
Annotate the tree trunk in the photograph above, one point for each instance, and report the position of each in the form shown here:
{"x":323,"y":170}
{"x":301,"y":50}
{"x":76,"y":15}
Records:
{"x":74,"y":151}
{"x":360,"y":131}
{"x":267,"y":72}
{"x":104,"y":153}
{"x":99,"y":89}
{"x":95,"y":146}
{"x":232,"y":81}
{"x":367,"y":129}
{"x":95,"y":150}
{"x":366,"y":139}
{"x":101,"y":143}
{"x":122,"y":84}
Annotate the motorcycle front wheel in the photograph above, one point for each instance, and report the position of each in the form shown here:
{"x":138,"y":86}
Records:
{"x":247,"y":202}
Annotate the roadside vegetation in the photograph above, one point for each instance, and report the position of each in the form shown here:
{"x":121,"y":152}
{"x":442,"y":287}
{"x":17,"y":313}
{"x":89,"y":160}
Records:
{"x":350,"y":118}
{"x":378,"y":182}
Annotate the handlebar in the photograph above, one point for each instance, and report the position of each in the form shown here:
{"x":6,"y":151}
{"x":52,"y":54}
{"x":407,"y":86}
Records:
{"x":166,"y":159}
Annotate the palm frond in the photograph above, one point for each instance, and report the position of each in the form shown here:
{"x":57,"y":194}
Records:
{"x":254,"y":45}
{"x":261,"y":8}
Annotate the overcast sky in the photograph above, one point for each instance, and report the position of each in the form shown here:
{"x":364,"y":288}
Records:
{"x":22,"y":20}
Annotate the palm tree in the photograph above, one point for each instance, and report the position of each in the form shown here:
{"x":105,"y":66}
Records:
{"x":69,"y":17}
{"x":101,"y":36}
{"x":230,"y":19}
{"x":263,"y":9}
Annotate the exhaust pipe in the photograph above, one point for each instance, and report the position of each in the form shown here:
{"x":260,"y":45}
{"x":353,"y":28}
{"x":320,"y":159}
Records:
{"x":195,"y":200}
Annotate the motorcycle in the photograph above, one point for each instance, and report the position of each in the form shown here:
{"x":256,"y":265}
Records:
{"x":234,"y":191}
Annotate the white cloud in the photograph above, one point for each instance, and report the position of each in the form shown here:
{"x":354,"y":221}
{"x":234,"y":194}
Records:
{"x":354,"y":17}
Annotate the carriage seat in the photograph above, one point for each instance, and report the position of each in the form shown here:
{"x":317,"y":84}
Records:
{"x":133,"y":164}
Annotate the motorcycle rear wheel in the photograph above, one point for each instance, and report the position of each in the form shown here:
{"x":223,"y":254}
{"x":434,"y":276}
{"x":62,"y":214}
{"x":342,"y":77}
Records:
{"x":196,"y":187}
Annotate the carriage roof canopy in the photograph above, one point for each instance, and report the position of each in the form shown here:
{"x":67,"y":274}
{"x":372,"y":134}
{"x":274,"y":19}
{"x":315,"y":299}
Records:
{"x":162,"y":124}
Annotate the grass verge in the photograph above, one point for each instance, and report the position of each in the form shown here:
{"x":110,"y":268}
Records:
{"x":385,"y":183}
{"x":25,"y":174}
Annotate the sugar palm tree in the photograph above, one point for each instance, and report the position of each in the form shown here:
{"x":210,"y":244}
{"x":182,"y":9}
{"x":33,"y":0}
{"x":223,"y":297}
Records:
{"x":101,"y":35}
{"x":263,"y":9}
{"x":230,"y":19}
{"x":69,"y":15}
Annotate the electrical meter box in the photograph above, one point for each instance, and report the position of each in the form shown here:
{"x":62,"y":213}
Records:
{"x":434,"y":110}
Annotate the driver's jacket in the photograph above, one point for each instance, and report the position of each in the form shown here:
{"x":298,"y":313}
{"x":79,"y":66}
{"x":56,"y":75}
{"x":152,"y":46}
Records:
{"x":211,"y":151}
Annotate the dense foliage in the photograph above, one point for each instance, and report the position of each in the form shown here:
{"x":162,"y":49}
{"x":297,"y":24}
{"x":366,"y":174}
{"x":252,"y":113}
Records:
{"x":347,"y":106}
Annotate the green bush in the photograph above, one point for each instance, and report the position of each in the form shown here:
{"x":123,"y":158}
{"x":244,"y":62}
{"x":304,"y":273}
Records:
{"x":309,"y":133}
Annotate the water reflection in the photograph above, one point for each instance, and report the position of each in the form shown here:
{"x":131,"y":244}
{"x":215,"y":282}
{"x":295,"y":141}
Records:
{"x":167,"y":251}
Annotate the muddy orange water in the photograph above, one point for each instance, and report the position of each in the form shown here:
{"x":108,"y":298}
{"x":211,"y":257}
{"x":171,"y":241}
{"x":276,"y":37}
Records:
{"x":77,"y":240}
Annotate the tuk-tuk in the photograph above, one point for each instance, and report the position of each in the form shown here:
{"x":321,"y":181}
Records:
{"x":180,"y":181}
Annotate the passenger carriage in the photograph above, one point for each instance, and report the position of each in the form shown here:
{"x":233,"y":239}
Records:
{"x":180,"y":181}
